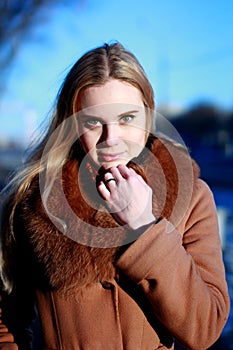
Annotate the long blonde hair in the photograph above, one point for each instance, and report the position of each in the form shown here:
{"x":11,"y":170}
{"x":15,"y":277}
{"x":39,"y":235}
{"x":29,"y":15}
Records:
{"x":95,"y":67}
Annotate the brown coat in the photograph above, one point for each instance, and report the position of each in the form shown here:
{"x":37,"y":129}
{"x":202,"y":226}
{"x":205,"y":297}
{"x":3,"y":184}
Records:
{"x":93,"y":292}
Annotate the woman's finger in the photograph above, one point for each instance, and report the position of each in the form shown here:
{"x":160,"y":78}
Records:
{"x":139,"y":177}
{"x":109,"y":181}
{"x":124,"y":171}
{"x":3,"y":329}
{"x":103,"y":191}
{"x":120,"y":172}
{"x":109,"y":178}
{"x":115,"y":173}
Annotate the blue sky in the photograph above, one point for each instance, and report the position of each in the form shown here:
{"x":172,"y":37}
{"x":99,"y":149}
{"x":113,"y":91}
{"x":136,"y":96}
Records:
{"x":186,"y":48}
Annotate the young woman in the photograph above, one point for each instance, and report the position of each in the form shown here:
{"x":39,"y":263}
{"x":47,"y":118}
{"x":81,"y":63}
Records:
{"x":109,"y":237}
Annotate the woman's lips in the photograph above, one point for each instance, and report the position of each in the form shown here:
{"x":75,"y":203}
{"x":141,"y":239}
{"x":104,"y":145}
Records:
{"x":109,"y":157}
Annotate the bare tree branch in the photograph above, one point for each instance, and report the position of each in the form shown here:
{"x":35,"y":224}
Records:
{"x":18,"y":18}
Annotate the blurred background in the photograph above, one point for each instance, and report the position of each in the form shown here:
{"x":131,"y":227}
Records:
{"x":186,"y":48}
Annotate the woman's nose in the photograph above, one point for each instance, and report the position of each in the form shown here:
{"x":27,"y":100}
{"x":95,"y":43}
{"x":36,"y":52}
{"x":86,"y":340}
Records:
{"x":111,"y":134}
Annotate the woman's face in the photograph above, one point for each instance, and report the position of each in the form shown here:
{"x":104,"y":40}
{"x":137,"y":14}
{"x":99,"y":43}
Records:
{"x":112,"y":123}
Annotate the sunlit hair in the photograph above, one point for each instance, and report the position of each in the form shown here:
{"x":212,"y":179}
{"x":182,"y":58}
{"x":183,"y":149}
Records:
{"x":94,"y":68}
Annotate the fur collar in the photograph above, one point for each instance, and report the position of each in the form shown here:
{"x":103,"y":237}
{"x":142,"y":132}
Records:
{"x":86,"y":253}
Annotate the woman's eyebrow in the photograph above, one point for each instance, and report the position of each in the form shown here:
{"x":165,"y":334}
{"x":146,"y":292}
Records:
{"x":89,"y":116}
{"x":128,"y":112}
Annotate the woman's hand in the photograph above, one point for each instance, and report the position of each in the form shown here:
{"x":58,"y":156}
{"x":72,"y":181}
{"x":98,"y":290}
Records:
{"x":6,"y":339}
{"x":128,"y":197}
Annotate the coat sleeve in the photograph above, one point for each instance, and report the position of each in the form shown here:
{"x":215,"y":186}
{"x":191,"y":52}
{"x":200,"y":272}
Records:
{"x":183,"y":276}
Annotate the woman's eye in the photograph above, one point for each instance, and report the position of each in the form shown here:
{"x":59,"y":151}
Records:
{"x":127,"y":118}
{"x":92,"y":123}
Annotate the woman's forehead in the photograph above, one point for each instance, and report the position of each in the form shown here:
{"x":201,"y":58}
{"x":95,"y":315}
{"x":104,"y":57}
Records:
{"x":112,"y":92}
